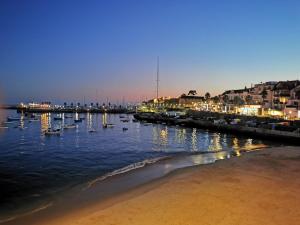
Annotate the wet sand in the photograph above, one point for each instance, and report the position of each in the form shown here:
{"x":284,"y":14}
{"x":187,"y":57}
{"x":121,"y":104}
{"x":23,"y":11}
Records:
{"x":261,"y":187}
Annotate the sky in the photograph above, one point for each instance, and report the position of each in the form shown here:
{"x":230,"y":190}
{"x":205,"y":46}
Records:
{"x":107,"y":50}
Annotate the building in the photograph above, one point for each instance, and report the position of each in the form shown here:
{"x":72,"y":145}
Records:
{"x":283,"y":92}
{"x":190,"y":101}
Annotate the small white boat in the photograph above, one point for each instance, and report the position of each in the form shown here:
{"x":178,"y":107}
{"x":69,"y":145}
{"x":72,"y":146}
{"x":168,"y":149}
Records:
{"x":147,"y":124}
{"x":1,"y":127}
{"x":70,"y":126}
{"x":110,"y":125}
{"x":92,"y":130}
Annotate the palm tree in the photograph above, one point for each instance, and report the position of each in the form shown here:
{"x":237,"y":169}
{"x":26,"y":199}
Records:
{"x":207,"y":96}
{"x":264,"y":94}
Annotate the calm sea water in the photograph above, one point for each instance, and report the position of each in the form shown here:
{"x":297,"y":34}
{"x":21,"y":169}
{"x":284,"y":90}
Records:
{"x":34,"y":166}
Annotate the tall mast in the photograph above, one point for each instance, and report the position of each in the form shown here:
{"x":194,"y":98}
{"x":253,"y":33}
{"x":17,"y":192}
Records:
{"x":157,"y":77}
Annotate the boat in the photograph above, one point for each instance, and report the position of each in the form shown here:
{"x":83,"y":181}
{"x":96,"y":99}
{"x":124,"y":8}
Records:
{"x":125,"y":128}
{"x":34,"y":120}
{"x":70,"y":126}
{"x":78,"y":120}
{"x":108,"y":125}
{"x":10,"y":119}
{"x":135,"y":120}
{"x":125,"y":121}
{"x":52,"y":132}
{"x":2,"y":127}
{"x":92,"y":130}
{"x":58,"y":118}
{"x":68,"y":116}
{"x":10,"y":122}
{"x":122,"y":117}
{"x":82,"y":118}
{"x":147,"y":124}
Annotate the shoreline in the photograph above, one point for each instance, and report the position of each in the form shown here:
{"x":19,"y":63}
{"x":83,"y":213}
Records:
{"x":143,"y":195}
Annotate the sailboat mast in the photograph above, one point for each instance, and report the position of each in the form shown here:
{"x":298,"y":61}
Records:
{"x":157,"y":78}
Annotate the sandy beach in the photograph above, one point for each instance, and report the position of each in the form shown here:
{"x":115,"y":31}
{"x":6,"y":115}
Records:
{"x":261,"y":187}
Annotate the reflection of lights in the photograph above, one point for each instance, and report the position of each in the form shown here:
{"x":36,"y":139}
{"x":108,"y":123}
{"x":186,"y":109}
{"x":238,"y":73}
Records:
{"x":235,"y":143}
{"x":215,"y":143}
{"x":164,"y":136}
{"x":160,"y":137}
{"x":45,"y":121}
{"x":89,"y":118}
{"x":194,"y":140}
{"x":180,"y":135}
{"x":163,"y":133}
{"x":237,"y":152}
{"x":22,"y":120}
{"x":104,"y":118}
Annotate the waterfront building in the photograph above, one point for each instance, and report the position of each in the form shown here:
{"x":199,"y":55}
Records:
{"x":190,"y":101}
{"x":282,"y":93}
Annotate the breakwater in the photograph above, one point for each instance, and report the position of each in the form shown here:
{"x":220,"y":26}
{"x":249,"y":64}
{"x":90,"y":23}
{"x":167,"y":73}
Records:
{"x":72,"y":110}
{"x":287,"y":133}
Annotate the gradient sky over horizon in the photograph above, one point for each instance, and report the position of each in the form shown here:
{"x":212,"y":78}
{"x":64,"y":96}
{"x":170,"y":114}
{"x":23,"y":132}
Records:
{"x":65,"y":50}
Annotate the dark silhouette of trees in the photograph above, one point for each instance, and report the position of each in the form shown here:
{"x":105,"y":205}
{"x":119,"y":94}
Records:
{"x":207,"y":96}
{"x":192,"y":92}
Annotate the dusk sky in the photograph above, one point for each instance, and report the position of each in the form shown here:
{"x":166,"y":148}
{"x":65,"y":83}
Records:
{"x":65,"y":50}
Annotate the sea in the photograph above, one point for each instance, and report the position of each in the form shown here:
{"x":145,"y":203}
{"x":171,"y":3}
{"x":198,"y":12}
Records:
{"x":36,"y":168}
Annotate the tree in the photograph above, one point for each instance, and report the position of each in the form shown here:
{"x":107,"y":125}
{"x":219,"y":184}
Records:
{"x":183,"y":95}
{"x":192,"y":92}
{"x":264,"y":94}
{"x":225,"y":99}
{"x":65,"y":105}
{"x":207,"y":95}
{"x":216,"y":99}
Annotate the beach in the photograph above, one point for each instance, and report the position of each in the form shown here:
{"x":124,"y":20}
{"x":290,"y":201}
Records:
{"x":261,"y":187}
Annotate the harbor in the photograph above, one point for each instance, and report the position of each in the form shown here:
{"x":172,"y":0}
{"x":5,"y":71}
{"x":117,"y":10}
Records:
{"x":149,"y":112}
{"x":269,"y":128}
